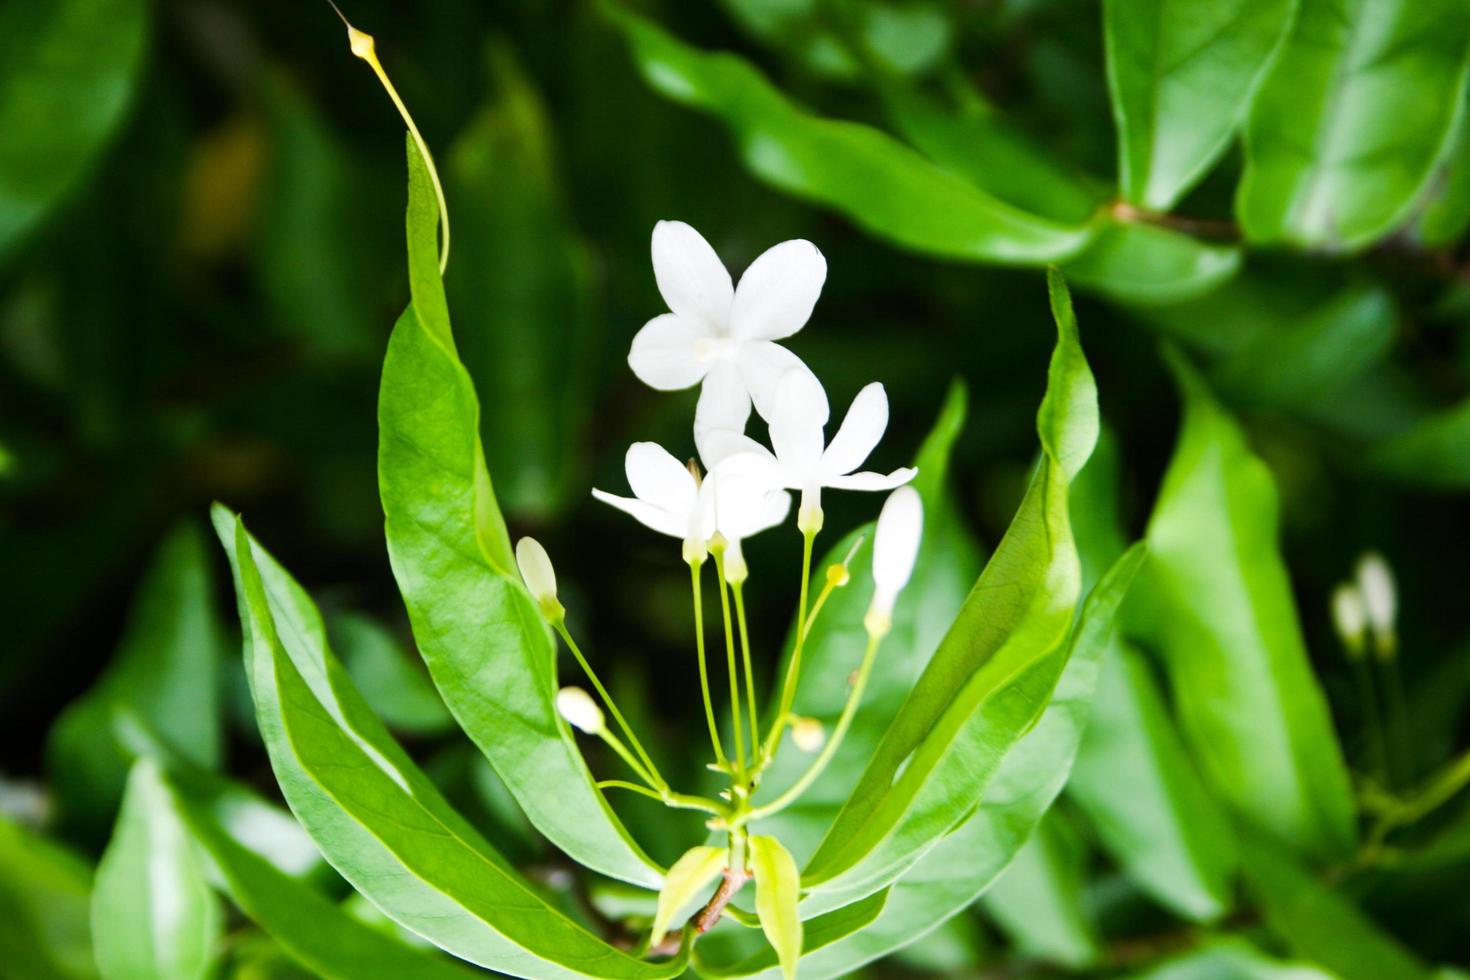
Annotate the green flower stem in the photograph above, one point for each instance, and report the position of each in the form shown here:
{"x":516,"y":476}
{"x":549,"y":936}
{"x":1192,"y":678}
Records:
{"x":1400,"y":737}
{"x":1377,"y":744}
{"x":730,"y":663}
{"x":709,"y":707}
{"x":651,"y":773}
{"x":793,"y":667}
{"x":680,"y":801}
{"x":616,"y":744}
{"x":849,"y":709}
{"x":755,"y":733}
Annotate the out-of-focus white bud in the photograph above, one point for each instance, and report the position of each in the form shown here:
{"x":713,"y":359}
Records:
{"x":1349,"y":618}
{"x":539,"y":576}
{"x":580,"y":711}
{"x":895,"y":547}
{"x":808,"y":734}
{"x":1380,"y":601}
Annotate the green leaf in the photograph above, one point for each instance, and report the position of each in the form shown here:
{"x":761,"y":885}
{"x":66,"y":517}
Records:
{"x":45,"y":897}
{"x":879,"y":183}
{"x":1180,"y":75}
{"x":67,"y":73}
{"x":521,"y":288}
{"x":1147,"y":264}
{"x":1230,"y":959}
{"x":305,"y":923}
{"x":1349,"y":122}
{"x":684,"y":883}
{"x":1231,"y":642}
{"x":375,"y":816}
{"x":1445,"y":208}
{"x":1037,"y":901}
{"x":153,"y":915}
{"x":1434,"y":451}
{"x":949,"y":559}
{"x":487,"y":648}
{"x":949,"y":878}
{"x":992,"y":675}
{"x":1317,"y":922}
{"x":166,"y":671}
{"x":1144,"y":798}
{"x":395,"y":687}
{"x":777,"y":890}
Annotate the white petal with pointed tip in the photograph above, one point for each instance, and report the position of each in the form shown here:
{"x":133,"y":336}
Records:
{"x":656,"y":477}
{"x":691,"y":277}
{"x":873,"y":481}
{"x":797,"y":421}
{"x":654,"y":518}
{"x":664,"y":354}
{"x":777,"y":293}
{"x":896,"y":541}
{"x":762,"y":365}
{"x":859,"y":433}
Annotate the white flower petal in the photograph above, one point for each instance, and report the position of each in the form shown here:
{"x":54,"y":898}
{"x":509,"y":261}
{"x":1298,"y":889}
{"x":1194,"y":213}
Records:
{"x":762,"y":365}
{"x":664,"y":353}
{"x":743,"y":485}
{"x":774,"y":509}
{"x":702,"y":522}
{"x":872,"y":481}
{"x":724,"y":404}
{"x":645,"y":513}
{"x":860,"y":431}
{"x":797,"y":418}
{"x":580,"y":711}
{"x":776,"y":294}
{"x":896,"y":541}
{"x":718,"y":445}
{"x":658,"y":478}
{"x":691,"y":277}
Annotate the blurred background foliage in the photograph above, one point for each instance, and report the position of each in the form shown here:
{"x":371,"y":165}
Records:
{"x":201,"y":256}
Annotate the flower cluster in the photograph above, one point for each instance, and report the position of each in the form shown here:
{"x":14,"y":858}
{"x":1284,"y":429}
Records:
{"x":722,"y":337}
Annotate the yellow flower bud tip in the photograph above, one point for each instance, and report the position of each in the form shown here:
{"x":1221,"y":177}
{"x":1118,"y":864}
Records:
{"x":579,"y":710}
{"x":808,"y":735}
{"x":838,"y":576}
{"x":361,"y":42}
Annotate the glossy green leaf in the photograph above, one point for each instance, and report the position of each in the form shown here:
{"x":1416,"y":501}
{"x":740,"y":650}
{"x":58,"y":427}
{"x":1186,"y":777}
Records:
{"x":1231,"y":642}
{"x":1147,"y":264}
{"x":45,"y":897}
{"x":684,"y":884}
{"x":166,"y":671}
{"x":777,"y":891}
{"x":1318,"y":923}
{"x":302,"y":921}
{"x":153,"y":915}
{"x":1434,"y":451}
{"x":1144,"y":798}
{"x":1230,"y":959}
{"x":67,"y":73}
{"x":879,"y":183}
{"x":396,"y":688}
{"x":949,"y":878}
{"x":1444,"y":214}
{"x":375,"y":816}
{"x":905,"y":38}
{"x":487,"y":648}
{"x":993,"y":673}
{"x":1038,"y":902}
{"x":521,"y":289}
{"x":946,"y":567}
{"x":1351,"y":119}
{"x":1180,"y":75}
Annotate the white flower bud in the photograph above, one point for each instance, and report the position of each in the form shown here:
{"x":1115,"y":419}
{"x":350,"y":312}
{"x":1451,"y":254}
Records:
{"x":580,"y":711}
{"x":1380,"y":600}
{"x":895,"y":547}
{"x":539,"y":576}
{"x":807,"y":734}
{"x":1349,"y":617}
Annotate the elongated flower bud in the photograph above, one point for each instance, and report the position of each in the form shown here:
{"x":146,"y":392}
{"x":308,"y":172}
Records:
{"x":1349,"y":618}
{"x":580,"y":711}
{"x":1380,"y":601}
{"x":895,"y":547}
{"x":539,"y":576}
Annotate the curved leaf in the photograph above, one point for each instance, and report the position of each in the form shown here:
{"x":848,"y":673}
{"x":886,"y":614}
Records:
{"x":1145,"y":264}
{"x":1230,"y":959}
{"x":992,"y":675}
{"x":153,"y":915}
{"x":1350,"y":121}
{"x":1232,"y":646}
{"x":1038,"y":903}
{"x":486,"y":646}
{"x":375,"y":816}
{"x":777,"y":890}
{"x":1180,"y":75}
{"x":45,"y":891}
{"x":1434,"y":451}
{"x":67,"y":73}
{"x":878,"y":182}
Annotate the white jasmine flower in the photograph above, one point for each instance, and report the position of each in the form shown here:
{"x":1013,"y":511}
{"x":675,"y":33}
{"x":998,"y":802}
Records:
{"x":747,"y":501}
{"x":539,"y":576}
{"x":667,"y":497}
{"x":1380,"y":600}
{"x":580,"y":711}
{"x":895,"y":547}
{"x":720,"y":335}
{"x":803,"y":459}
